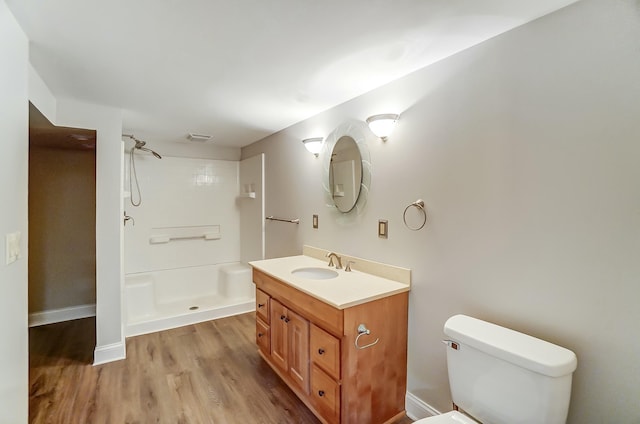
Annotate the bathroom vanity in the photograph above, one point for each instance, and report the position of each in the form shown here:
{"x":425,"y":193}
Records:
{"x":337,"y":338}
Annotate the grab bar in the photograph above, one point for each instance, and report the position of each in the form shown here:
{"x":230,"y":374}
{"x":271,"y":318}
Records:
{"x":292,"y":221}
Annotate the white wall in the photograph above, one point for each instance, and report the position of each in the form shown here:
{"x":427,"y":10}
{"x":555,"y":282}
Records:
{"x":109,"y":271}
{"x":182,"y":192}
{"x":252,"y":216}
{"x":14,"y":148}
{"x":526,"y":150}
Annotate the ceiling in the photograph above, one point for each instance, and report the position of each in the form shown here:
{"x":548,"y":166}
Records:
{"x":241,"y":70}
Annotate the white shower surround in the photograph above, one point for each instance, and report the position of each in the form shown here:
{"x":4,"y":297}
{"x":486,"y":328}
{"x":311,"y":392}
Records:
{"x":186,"y":280}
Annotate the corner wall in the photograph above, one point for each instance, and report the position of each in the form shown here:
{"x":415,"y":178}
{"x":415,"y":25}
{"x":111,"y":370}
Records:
{"x":14,"y":148}
{"x":525,"y":149}
{"x":110,"y":342}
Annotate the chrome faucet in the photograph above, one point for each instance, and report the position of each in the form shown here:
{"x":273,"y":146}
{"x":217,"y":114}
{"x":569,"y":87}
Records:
{"x":331,"y":256}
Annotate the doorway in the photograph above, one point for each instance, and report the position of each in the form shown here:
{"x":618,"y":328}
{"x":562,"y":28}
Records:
{"x":62,"y":221}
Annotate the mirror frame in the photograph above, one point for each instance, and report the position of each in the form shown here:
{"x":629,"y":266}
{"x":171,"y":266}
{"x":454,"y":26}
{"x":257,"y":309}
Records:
{"x":357,"y":130}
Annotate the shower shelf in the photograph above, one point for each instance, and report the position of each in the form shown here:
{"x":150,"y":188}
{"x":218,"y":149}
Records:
{"x":249,"y":195}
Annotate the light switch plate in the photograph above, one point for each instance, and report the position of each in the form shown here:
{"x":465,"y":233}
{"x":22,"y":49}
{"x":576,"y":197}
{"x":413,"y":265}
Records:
{"x":383,"y":228}
{"x":12,"y":247}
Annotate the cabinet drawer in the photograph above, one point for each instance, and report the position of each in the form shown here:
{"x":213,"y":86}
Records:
{"x":262,"y":305}
{"x":263,"y":336}
{"x":325,"y":351}
{"x":325,"y":395}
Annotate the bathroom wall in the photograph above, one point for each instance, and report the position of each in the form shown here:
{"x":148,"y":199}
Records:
{"x":107,"y":122}
{"x":14,"y":149}
{"x":178,"y":193}
{"x":251,"y":205}
{"x":525,"y":149}
{"x":62,"y":220}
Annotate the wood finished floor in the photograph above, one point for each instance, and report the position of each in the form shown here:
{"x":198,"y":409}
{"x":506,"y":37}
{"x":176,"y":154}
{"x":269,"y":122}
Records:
{"x":197,"y":374}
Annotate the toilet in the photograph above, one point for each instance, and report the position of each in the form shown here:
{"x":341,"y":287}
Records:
{"x":501,"y":376}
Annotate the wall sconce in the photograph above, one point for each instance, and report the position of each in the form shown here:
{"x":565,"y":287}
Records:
{"x":382,"y":125}
{"x":313,"y":145}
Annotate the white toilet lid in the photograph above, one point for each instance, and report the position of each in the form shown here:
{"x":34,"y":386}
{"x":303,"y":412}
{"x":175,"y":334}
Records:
{"x":453,"y":417}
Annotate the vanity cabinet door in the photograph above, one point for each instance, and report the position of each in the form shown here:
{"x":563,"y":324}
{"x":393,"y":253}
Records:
{"x":279,"y":339}
{"x":290,"y":344}
{"x":298,"y":335}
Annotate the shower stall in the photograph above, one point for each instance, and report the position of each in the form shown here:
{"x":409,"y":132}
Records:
{"x":189,"y":233}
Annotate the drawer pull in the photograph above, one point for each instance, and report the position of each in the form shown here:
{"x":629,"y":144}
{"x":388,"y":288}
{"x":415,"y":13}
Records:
{"x":260,"y":305}
{"x":321,"y":393}
{"x":321,"y":351}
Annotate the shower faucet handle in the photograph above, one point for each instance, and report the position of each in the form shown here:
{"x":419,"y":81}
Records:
{"x":128,"y":218}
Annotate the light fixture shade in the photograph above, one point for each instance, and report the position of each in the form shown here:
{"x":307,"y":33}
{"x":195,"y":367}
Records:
{"x":313,"y":144}
{"x":382,"y":125}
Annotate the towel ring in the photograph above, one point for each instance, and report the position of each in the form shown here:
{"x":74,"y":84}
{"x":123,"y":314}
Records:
{"x":418,"y":204}
{"x":364,"y":331}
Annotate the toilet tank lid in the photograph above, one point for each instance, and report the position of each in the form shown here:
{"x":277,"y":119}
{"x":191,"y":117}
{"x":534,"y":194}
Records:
{"x":520,"y":349}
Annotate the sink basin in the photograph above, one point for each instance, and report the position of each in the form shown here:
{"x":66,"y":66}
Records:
{"x":315,"y":273}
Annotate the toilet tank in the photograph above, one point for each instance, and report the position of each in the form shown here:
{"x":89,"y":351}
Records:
{"x":501,"y":376}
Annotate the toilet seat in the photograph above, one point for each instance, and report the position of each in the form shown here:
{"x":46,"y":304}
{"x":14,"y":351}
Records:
{"x":453,"y":417}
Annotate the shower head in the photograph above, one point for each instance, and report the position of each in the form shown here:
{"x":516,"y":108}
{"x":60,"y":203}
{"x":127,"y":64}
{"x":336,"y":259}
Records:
{"x":148,"y":150}
{"x":140,"y":145}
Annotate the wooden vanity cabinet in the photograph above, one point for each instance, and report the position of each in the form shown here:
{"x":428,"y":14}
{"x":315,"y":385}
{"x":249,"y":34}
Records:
{"x":312,"y":348}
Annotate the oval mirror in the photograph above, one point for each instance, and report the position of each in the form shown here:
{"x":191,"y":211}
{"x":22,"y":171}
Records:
{"x":346,"y":170}
{"x":345,"y":173}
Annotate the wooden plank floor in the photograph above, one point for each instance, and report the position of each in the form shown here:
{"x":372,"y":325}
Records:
{"x":197,"y":374}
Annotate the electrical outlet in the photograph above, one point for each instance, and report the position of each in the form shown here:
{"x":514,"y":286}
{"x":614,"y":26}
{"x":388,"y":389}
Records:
{"x":12,"y":247}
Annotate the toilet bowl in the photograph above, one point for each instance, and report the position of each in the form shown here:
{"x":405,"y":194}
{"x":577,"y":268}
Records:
{"x":501,"y":376}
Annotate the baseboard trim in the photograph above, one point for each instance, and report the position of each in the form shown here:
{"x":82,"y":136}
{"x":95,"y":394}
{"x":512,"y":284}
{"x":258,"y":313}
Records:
{"x":59,"y":315}
{"x":417,"y":409}
{"x":109,"y":353}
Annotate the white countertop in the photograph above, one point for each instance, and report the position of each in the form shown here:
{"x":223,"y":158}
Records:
{"x":346,"y":290}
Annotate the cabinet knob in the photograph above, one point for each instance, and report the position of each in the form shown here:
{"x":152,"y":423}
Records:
{"x":321,"y":393}
{"x":282,"y":316}
{"x":287,"y":320}
{"x":321,"y":351}
{"x":260,"y":305}
{"x":260,"y":334}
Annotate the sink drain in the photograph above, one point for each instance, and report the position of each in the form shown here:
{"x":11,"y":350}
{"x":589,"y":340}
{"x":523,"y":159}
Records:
{"x":193,"y":308}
